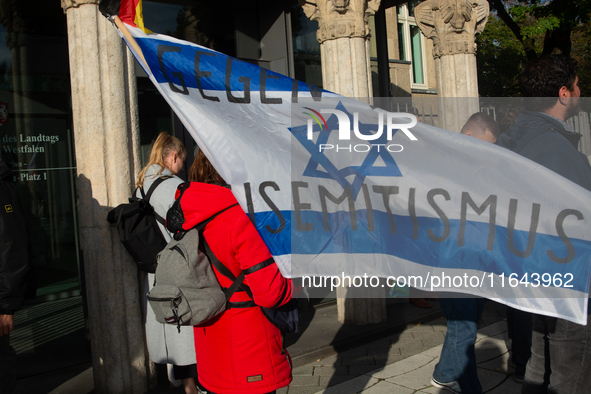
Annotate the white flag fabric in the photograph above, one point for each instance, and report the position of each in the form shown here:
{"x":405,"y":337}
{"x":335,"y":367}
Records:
{"x":417,"y":206}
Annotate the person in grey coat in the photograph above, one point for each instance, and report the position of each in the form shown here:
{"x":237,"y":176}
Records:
{"x":166,"y":345}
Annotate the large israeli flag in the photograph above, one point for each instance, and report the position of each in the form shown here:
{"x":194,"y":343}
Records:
{"x":338,"y":188}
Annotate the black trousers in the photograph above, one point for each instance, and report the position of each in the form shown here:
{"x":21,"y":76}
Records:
{"x":7,"y":365}
{"x":185,"y":371}
{"x":519,"y":329}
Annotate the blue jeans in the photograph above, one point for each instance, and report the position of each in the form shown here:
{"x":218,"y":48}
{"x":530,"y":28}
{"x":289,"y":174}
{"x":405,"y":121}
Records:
{"x":458,"y":359}
{"x":560,"y":359}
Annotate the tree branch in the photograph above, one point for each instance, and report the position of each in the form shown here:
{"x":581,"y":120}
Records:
{"x":528,"y":45}
{"x":505,"y":17}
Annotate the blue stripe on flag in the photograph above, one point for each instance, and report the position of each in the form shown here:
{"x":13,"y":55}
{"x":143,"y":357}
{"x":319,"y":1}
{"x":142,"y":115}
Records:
{"x":178,"y":58}
{"x":423,"y":250}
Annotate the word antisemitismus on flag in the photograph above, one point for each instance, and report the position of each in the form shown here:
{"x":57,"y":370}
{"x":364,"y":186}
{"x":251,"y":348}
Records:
{"x":342,"y":191}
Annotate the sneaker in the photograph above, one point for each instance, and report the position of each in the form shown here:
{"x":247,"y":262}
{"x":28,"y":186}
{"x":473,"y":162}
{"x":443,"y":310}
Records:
{"x":453,"y":387}
{"x":519,"y":375}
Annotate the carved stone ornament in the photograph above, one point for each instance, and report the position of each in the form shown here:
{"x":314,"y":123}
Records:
{"x":340,"y":18}
{"x":67,"y":4}
{"x":340,"y":5}
{"x":452,"y":24}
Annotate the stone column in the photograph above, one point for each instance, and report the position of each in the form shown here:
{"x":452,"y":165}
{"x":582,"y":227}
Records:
{"x":343,"y":34}
{"x":453,"y":25}
{"x":104,"y":106}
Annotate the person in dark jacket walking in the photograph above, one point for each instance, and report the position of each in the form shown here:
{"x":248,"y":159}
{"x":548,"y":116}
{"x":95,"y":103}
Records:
{"x":456,"y":370}
{"x":560,"y":359}
{"x":519,"y":323}
{"x":14,"y":272}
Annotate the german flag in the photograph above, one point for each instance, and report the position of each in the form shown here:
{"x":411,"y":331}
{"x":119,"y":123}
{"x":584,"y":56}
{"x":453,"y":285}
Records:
{"x":129,"y":11}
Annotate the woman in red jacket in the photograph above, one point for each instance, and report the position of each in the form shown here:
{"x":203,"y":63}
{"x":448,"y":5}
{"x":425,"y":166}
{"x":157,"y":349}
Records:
{"x":239,"y":351}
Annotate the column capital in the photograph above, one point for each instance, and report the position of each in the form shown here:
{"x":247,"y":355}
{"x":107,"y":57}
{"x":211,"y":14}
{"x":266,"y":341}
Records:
{"x":340,"y":18}
{"x":67,"y":4}
{"x":452,"y":24}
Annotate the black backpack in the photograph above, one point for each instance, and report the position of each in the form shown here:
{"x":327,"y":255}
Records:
{"x":137,"y":224}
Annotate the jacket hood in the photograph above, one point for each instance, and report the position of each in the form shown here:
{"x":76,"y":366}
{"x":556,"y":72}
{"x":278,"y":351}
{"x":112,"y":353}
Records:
{"x":197,"y":202}
{"x":530,"y":125}
{"x":151,"y":171}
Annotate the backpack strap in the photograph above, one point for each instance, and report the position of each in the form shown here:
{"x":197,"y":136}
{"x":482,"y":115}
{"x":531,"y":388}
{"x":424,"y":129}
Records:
{"x":204,"y":223}
{"x":277,"y":317}
{"x":153,"y":187}
{"x":259,"y":266}
{"x":237,"y":282}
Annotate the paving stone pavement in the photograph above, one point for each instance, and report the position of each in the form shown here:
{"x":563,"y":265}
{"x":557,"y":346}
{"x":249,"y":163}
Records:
{"x":404,"y":362}
{"x":401,"y":362}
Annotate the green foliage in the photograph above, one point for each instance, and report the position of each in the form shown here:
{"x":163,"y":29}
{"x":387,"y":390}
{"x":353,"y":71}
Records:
{"x":540,"y":27}
{"x":499,"y":58}
{"x":528,"y":29}
{"x":581,"y":51}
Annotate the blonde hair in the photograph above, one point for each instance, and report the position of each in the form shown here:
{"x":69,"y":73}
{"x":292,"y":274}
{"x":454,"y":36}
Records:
{"x":164,"y":145}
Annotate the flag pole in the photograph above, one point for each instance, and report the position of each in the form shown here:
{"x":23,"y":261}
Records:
{"x":129,"y":38}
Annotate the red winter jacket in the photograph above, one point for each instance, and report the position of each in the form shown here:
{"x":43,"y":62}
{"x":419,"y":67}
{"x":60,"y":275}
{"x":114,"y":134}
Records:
{"x":240,"y":351}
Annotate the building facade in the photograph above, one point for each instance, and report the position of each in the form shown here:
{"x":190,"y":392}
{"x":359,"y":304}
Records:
{"x":77,"y":119}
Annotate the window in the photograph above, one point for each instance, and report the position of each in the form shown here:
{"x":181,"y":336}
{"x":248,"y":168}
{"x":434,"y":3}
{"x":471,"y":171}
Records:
{"x":410,"y":43}
{"x":306,"y":48}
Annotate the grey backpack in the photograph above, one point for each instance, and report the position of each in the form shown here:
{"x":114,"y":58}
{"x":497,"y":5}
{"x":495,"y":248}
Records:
{"x":187,"y":292}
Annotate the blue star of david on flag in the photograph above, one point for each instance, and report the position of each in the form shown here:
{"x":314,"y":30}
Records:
{"x":369,"y":167}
